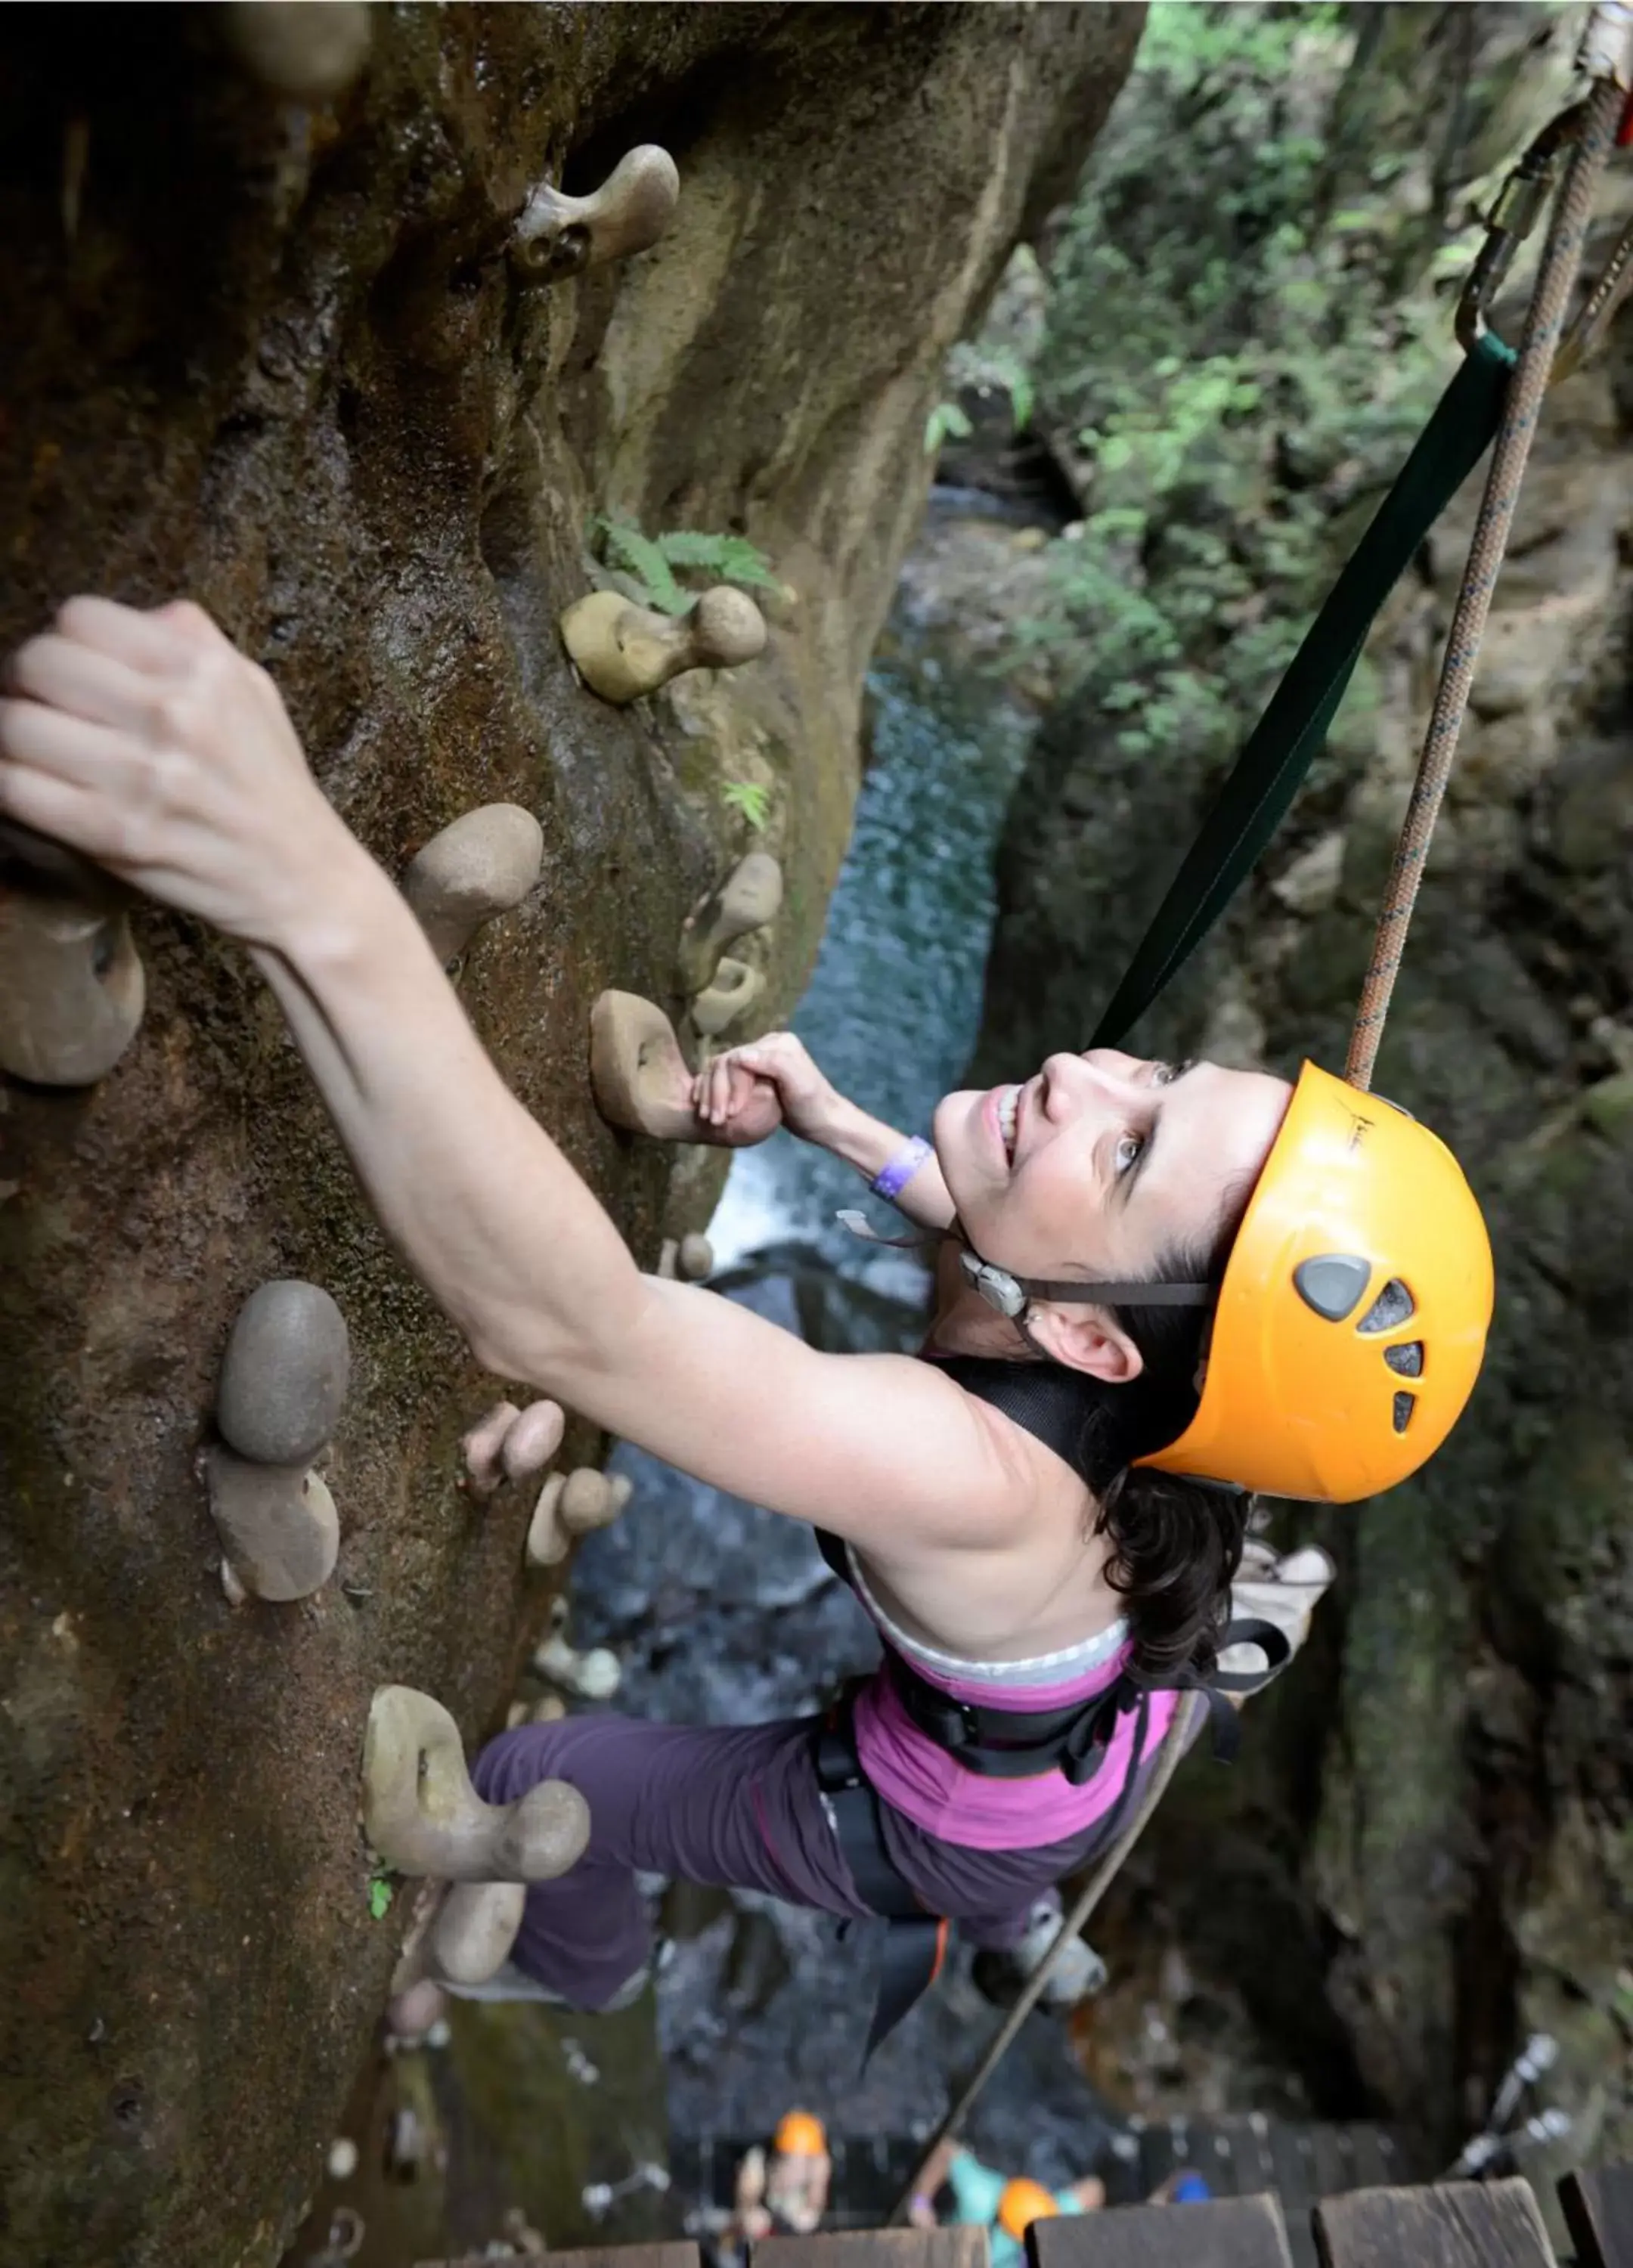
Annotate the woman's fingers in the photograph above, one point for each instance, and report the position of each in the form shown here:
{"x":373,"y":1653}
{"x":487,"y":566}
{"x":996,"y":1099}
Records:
{"x":36,"y":738}
{"x":57,"y":807}
{"x":83,"y":682}
{"x":147,"y":642}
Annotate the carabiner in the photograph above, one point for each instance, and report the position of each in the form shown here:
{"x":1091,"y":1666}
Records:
{"x":1520,"y":204}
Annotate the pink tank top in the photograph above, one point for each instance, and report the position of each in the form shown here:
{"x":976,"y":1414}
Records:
{"x":938,"y":1794}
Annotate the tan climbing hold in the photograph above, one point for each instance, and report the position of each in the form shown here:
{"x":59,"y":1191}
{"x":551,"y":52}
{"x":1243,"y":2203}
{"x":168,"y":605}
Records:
{"x":423,"y":1817}
{"x":558,"y":235}
{"x":307,"y":49}
{"x":690,"y":1259}
{"x":570,"y":1505}
{"x":594,"y":1676}
{"x":284,"y":1374}
{"x":750,"y":896}
{"x":511,"y":1445}
{"x":278,"y":1527}
{"x":642,"y":1083}
{"x":736,"y":989}
{"x":71,"y":988}
{"x":483,"y":863}
{"x":623,"y":650}
{"x":475,"y":1930}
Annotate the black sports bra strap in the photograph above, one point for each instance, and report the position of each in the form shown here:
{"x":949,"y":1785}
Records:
{"x":1043,"y":1398}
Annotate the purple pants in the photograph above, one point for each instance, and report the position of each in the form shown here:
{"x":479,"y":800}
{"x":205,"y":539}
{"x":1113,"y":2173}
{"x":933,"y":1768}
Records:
{"x":733,"y":1806}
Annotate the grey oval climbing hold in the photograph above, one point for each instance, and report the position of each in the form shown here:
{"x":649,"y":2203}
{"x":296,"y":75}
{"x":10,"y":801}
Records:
{"x":284,"y":1374}
{"x":736,"y":988}
{"x":277,"y":1523}
{"x":307,"y":49}
{"x":750,"y":897}
{"x":559,"y":235}
{"x":422,"y":1816}
{"x":571,"y":1504}
{"x":71,"y":989}
{"x":484,"y":863}
{"x":641,"y":1084}
{"x":623,"y":650}
{"x":475,"y":1930}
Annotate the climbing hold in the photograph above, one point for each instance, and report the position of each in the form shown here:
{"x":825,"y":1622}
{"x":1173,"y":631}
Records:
{"x":642,"y":1083}
{"x":690,"y":1258}
{"x":735,"y":989}
{"x":278,"y":1525}
{"x":623,"y":650}
{"x":569,"y":1505}
{"x":342,"y":2158}
{"x":593,"y":1676}
{"x":308,"y":49}
{"x":559,"y":235}
{"x":232,"y":1584}
{"x":423,"y":1817}
{"x":483,"y":863}
{"x":284,"y":1374}
{"x":475,"y":1929}
{"x":71,"y":988}
{"x":511,"y":1445}
{"x":749,"y":897}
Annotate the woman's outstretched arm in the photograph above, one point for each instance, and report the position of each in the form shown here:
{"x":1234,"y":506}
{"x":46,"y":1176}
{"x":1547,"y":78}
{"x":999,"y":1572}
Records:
{"x":148,"y":742}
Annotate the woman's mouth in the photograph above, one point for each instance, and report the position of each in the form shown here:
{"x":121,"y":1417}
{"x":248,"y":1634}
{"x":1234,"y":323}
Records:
{"x":1006,"y":1117}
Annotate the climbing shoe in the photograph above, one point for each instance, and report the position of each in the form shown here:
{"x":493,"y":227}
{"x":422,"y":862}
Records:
{"x":1079,"y":1974}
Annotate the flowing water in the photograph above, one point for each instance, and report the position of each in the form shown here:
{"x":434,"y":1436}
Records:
{"x":722,"y":1612}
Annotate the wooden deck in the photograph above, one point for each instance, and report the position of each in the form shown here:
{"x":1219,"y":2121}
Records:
{"x":1446,"y":2224}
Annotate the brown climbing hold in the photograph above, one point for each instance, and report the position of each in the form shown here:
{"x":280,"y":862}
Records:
{"x":511,"y":1445}
{"x":642,"y":1083}
{"x":308,"y":49}
{"x":71,"y":987}
{"x":570,"y":1505}
{"x":284,"y":1374}
{"x":559,"y":235}
{"x":475,"y":1930}
{"x":278,"y":1527}
{"x":737,"y":986}
{"x":482,"y":864}
{"x":623,"y":650}
{"x":750,"y":896}
{"x":423,"y":1817}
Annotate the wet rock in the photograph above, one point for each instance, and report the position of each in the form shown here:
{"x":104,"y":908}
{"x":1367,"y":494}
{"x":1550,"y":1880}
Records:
{"x":284,"y":1374}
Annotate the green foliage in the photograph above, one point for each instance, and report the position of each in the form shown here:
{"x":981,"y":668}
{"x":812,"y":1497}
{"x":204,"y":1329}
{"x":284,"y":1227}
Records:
{"x":652,"y":561}
{"x":381,"y":1893}
{"x":750,"y":800}
{"x":946,"y":421}
{"x":1230,"y":366}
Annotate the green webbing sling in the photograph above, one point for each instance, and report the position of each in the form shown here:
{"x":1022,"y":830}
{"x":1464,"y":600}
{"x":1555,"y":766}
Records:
{"x":1253,"y":800}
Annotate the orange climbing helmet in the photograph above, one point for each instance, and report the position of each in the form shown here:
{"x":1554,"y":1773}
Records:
{"x":1022,"y":2203}
{"x":1350,"y":1325}
{"x":799,"y":2135}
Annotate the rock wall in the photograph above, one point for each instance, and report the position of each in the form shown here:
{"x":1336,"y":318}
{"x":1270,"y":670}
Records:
{"x":274,"y":356}
{"x":1425,"y":1853}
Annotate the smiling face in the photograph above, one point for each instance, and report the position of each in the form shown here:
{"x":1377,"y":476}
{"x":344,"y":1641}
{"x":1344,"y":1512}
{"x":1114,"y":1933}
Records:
{"x":1103,"y":1162}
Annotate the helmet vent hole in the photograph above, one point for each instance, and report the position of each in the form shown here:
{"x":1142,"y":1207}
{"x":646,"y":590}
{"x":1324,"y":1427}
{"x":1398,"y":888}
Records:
{"x":1407,"y":1361}
{"x":1393,"y":1304}
{"x":1404,"y":1404}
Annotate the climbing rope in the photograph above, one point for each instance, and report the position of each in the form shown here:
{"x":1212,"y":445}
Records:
{"x":1187,"y":1718}
{"x":1561,"y":259}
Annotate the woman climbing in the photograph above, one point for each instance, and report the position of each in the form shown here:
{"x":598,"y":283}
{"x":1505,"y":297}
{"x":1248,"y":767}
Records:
{"x":1164,"y":1284}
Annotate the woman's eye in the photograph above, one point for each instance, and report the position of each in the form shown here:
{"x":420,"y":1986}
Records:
{"x":1164,"y":1074}
{"x":1129,"y":1152}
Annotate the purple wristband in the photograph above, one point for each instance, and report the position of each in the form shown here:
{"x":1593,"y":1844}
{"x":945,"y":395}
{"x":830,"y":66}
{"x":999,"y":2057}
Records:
{"x":892,"y":1179}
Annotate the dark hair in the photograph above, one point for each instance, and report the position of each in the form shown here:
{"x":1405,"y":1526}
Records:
{"x":1176,"y":1542}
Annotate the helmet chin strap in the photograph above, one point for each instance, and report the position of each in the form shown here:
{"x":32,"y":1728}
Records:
{"x":1010,"y":1295}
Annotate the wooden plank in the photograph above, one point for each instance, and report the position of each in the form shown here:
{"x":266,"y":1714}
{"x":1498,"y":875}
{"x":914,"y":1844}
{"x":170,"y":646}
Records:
{"x":873,"y":2247}
{"x":1599,"y":2213}
{"x":629,"y":2256}
{"x":1455,"y":2225}
{"x":1231,"y":2233}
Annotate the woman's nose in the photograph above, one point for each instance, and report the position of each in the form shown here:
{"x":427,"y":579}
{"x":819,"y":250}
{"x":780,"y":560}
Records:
{"x":1075,"y":1081}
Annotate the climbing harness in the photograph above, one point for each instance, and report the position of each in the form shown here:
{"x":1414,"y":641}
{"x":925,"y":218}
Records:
{"x":1074,"y":1739}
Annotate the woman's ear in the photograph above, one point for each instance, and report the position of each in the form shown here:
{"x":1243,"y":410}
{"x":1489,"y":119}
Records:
{"x":1085,"y":1338}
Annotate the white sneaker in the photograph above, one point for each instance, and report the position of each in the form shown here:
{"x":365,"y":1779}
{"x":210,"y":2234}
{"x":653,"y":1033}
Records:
{"x":1282,"y":1590}
{"x":1078,"y":1975}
